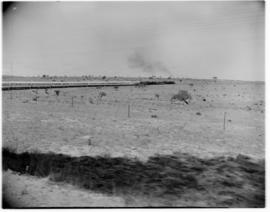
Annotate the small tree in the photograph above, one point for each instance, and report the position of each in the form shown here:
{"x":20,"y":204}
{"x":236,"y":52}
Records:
{"x":182,"y":95}
{"x":57,"y":92}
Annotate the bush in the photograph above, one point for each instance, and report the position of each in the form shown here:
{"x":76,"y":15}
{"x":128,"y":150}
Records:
{"x":57,"y":92}
{"x":90,"y":100}
{"x":35,"y":91}
{"x":35,"y":98}
{"x":182,"y":95}
{"x":101,"y":94}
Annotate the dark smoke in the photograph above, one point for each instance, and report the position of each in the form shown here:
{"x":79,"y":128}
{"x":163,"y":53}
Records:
{"x":137,"y":60}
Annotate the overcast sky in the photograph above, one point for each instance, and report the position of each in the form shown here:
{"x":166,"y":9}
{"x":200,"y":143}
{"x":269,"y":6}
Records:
{"x":180,"y":39}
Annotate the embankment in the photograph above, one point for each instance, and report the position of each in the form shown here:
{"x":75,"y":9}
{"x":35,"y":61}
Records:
{"x":224,"y":181}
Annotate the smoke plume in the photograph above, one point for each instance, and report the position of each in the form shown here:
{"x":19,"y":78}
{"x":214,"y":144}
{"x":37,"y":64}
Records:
{"x":137,"y":60}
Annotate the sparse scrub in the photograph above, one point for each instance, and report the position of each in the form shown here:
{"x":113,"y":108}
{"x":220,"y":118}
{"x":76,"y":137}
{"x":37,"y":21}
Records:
{"x":182,"y":95}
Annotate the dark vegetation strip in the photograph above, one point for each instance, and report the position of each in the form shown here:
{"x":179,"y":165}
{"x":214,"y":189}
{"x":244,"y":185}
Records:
{"x":162,"y":176}
{"x":64,"y":85}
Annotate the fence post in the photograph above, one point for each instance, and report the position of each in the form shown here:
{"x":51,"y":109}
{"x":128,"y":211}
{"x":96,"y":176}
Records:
{"x":72,"y":101}
{"x":128,"y":110}
{"x":224,"y":120}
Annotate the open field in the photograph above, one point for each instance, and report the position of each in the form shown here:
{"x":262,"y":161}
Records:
{"x":137,"y":123}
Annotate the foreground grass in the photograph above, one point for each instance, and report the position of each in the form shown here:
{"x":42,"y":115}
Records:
{"x":170,"y":179}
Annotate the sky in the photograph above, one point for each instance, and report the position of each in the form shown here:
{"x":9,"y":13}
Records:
{"x":177,"y":39}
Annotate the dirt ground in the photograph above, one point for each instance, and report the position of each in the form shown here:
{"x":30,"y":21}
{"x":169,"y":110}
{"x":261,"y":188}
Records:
{"x":79,"y":123}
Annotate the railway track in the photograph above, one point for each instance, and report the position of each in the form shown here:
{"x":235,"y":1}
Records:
{"x":15,"y":85}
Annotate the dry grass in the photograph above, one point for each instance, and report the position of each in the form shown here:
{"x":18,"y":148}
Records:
{"x":170,"y":177}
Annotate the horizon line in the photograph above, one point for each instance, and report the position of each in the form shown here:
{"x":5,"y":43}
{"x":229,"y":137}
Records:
{"x":169,"y":77}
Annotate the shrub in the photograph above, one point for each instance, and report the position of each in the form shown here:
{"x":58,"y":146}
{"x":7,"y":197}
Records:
{"x":35,"y":98}
{"x":157,"y":95}
{"x":57,"y":92}
{"x":35,"y":91}
{"x":90,"y":100}
{"x":182,"y":95}
{"x":101,"y":94}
